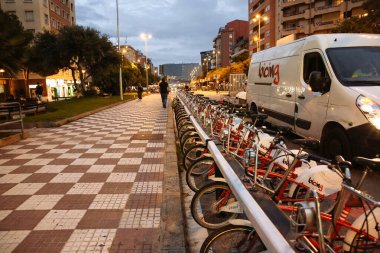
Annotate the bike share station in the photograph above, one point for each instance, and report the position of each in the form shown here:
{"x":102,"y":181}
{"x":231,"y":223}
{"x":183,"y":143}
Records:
{"x":265,"y":226}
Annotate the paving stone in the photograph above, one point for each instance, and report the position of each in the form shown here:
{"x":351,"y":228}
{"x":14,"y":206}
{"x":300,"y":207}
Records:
{"x":93,"y":185}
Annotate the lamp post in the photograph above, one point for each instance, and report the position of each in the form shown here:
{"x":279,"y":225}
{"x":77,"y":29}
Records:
{"x":118,"y":47}
{"x":258,"y":18}
{"x":146,"y":37}
{"x":256,"y":39}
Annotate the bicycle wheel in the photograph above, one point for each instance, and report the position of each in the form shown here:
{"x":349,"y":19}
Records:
{"x":209,"y":206}
{"x":198,"y":173}
{"x":193,"y":154}
{"x":190,"y":142}
{"x":233,"y":238}
{"x":366,"y":237}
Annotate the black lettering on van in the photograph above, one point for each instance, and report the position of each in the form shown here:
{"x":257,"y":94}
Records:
{"x":270,"y":71}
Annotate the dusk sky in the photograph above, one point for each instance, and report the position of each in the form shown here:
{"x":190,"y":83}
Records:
{"x":180,"y":29}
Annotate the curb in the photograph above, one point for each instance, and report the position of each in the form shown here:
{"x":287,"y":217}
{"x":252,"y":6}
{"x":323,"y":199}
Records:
{"x":172,"y":225}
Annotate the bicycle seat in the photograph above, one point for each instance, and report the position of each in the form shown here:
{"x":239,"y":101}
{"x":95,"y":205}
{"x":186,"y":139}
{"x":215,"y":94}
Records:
{"x":308,"y":143}
{"x":372,"y":163}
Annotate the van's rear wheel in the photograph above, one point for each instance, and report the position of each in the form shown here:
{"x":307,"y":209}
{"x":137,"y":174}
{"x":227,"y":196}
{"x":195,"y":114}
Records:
{"x":335,"y":142}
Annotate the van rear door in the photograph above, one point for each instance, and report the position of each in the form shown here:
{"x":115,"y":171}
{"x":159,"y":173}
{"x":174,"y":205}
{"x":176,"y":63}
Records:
{"x":311,"y":107}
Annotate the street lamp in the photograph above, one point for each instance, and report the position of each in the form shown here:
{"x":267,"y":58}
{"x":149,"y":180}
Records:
{"x":155,"y":73}
{"x":146,"y":37}
{"x":258,"y":18}
{"x":118,"y":47}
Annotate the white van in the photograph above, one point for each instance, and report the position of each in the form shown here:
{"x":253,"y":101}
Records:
{"x":323,"y":86}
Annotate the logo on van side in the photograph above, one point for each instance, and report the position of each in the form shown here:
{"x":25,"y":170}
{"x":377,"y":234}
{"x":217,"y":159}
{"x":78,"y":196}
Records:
{"x":270,"y":71}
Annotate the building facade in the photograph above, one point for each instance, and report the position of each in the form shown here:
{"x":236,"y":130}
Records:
{"x":41,"y":15}
{"x":262,"y":24}
{"x":307,"y":17}
{"x":178,"y":72}
{"x":226,"y":40}
{"x":38,"y":16}
{"x":207,"y":60}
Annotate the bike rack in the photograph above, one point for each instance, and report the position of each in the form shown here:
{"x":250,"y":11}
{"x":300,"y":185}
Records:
{"x":268,"y":232}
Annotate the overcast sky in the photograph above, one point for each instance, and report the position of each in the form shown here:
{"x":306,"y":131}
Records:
{"x":180,"y":29}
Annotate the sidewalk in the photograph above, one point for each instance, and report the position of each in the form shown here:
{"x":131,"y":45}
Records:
{"x":105,"y":183}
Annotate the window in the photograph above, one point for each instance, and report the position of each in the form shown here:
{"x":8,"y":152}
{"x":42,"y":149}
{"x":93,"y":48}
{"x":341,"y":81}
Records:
{"x":28,"y":1}
{"x":267,"y":33}
{"x":10,"y":1}
{"x":72,"y":7}
{"x":356,"y":66}
{"x":267,"y":8}
{"x":52,"y":5}
{"x":267,"y":45}
{"x":46,"y":19}
{"x":29,"y":16}
{"x":11,"y":12}
{"x":267,"y":21}
{"x":313,"y":62}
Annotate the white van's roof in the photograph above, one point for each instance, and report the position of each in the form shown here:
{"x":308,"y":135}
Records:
{"x":320,"y":41}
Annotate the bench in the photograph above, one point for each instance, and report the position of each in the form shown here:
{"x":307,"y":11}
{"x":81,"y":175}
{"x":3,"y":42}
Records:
{"x":33,"y":108}
{"x":9,"y":110}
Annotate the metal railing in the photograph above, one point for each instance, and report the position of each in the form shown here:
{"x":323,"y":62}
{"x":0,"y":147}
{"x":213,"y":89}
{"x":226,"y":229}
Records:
{"x":268,"y":232}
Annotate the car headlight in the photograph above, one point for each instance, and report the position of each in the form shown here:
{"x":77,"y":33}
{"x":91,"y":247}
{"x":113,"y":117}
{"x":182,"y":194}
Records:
{"x":370,"y":109}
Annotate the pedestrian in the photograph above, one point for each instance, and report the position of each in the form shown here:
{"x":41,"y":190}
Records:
{"x":217,"y":87}
{"x":139,"y":91}
{"x":164,"y":90}
{"x":39,"y":91}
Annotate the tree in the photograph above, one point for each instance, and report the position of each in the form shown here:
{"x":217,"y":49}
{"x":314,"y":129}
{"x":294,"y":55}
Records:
{"x":44,"y":54}
{"x":14,"y":42}
{"x":366,"y":24}
{"x":86,"y":51}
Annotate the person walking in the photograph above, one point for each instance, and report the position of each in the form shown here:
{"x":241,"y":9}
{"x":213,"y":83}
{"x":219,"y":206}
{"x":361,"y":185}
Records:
{"x":139,"y":91}
{"x":39,"y":91}
{"x":164,"y":90}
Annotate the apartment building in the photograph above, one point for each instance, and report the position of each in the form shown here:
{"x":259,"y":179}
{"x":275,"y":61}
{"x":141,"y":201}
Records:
{"x":226,"y":40}
{"x":178,"y":71}
{"x":306,"y":17}
{"x":41,"y":15}
{"x":38,"y":16}
{"x":262,"y":24}
{"x":207,"y":59}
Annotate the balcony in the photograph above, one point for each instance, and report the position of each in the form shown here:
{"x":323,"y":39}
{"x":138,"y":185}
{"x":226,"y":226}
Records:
{"x":354,"y":4}
{"x":326,"y":25}
{"x":293,"y":30}
{"x":293,"y":15}
{"x":288,"y":3}
{"x":327,"y":9}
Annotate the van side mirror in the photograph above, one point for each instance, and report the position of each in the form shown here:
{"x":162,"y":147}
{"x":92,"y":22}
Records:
{"x":318,"y":83}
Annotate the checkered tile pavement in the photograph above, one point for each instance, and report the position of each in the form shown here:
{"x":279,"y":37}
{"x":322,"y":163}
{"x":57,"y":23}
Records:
{"x":86,"y":186}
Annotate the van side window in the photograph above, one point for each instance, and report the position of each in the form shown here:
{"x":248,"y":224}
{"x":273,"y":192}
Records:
{"x":313,"y":62}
